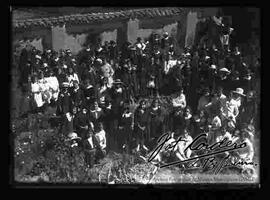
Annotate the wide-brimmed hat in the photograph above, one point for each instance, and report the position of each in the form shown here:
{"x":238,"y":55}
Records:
{"x":99,"y":60}
{"x":65,"y":84}
{"x":213,"y":67}
{"x":239,"y":91}
{"x":224,"y":70}
{"x":118,"y":81}
{"x":73,"y":136}
{"x":207,"y":57}
{"x":249,"y":128}
{"x":38,"y":57}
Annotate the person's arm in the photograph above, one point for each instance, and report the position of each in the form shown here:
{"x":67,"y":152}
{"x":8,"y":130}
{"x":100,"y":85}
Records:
{"x":235,"y":111}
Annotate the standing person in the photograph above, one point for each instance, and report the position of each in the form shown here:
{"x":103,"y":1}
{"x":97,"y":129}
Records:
{"x":95,"y":113}
{"x":155,"y":123}
{"x":223,"y":79}
{"x":140,"y":123}
{"x":204,"y":100}
{"x":36,"y":94}
{"x":90,"y":73}
{"x":69,"y":121}
{"x":107,"y":72}
{"x":82,"y":123}
{"x":89,"y":93}
{"x":61,"y":76}
{"x":64,"y":101}
{"x":231,"y":110}
{"x":72,"y":76}
{"x":113,"y":50}
{"x":249,"y":109}
{"x":178,"y":122}
{"x":188,"y":120}
{"x":77,"y":96}
{"x":90,"y":146}
{"x":100,"y":134}
{"x":125,"y":128}
{"x":53,"y":85}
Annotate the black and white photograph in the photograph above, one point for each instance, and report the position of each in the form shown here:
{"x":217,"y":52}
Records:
{"x":135,"y":95}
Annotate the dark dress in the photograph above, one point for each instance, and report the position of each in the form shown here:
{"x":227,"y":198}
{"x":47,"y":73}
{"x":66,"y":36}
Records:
{"x":80,"y":121}
{"x":77,"y":97}
{"x":126,"y":130}
{"x":155,"y":123}
{"x":141,"y":119}
{"x":89,"y":95}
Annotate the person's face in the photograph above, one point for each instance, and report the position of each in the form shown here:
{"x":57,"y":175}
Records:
{"x":74,"y":110}
{"x":96,"y":105}
{"x":201,"y":114}
{"x":143,"y":105}
{"x":187,"y":111}
{"x":102,"y":98}
{"x":84,"y":110}
{"x":70,"y":70}
{"x":76,"y":85}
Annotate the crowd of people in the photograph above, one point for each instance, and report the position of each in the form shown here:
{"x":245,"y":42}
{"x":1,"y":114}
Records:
{"x":123,"y":98}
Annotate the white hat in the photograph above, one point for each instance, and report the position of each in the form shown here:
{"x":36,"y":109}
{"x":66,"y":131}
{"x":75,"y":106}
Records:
{"x":207,"y":57}
{"x":38,"y":57}
{"x":239,"y":91}
{"x":45,"y":65}
{"x":224,"y":70}
{"x":65,"y":84}
{"x":213,"y":66}
{"x":65,"y":66}
{"x":73,"y":136}
{"x":99,"y":60}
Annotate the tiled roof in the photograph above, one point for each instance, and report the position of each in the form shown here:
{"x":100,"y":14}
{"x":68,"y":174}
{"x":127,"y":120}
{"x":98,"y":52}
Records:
{"x":95,"y":17}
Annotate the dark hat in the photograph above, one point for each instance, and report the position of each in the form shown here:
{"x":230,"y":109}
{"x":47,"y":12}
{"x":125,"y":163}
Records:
{"x":139,"y":38}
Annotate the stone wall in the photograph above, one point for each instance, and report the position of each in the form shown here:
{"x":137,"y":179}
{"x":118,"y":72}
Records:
{"x":135,"y":30}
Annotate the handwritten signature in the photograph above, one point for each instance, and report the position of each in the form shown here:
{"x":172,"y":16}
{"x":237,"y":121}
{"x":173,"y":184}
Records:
{"x":212,"y":150}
